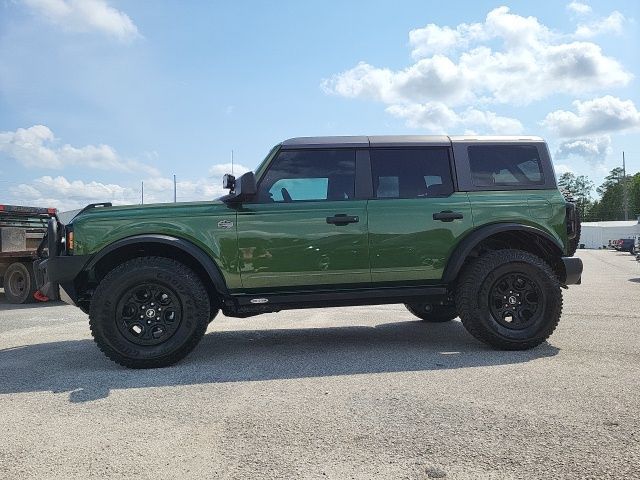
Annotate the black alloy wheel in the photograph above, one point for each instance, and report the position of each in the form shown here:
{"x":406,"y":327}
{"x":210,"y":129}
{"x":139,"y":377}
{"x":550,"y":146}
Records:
{"x":515,"y":300}
{"x":149,"y":314}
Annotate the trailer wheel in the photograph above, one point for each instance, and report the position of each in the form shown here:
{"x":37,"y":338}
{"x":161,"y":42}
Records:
{"x":19,"y":283}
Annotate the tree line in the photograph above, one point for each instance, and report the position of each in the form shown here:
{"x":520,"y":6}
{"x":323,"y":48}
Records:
{"x":610,"y":205}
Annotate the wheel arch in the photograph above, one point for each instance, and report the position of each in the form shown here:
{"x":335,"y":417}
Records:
{"x":161,"y":246}
{"x":505,"y":235}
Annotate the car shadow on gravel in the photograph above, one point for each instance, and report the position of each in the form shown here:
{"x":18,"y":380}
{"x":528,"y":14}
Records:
{"x":78,"y":367}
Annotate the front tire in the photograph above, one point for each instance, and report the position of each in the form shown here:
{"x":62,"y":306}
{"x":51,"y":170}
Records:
{"x":509,"y":299}
{"x":428,"y":312}
{"x":149,"y":312}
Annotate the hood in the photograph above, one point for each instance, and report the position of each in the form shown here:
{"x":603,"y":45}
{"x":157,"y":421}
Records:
{"x":102,"y":211}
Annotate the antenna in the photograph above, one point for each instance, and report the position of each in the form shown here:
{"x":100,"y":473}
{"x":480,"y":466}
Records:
{"x":142,"y":193}
{"x":232,"y":161}
{"x":174,"y":188}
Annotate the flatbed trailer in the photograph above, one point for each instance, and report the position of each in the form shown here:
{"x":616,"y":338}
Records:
{"x":21,"y":232}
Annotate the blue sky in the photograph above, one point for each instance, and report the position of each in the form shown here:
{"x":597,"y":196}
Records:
{"x":97,"y":95}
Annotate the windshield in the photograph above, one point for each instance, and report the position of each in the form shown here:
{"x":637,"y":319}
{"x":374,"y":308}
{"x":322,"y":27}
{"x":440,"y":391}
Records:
{"x":260,"y":169}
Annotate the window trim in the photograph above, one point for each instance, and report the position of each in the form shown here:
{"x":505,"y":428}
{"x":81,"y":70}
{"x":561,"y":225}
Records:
{"x":452,"y":170}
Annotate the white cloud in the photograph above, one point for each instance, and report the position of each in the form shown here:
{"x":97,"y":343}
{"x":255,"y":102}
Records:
{"x":599,"y":115}
{"x":60,"y":193}
{"x":561,"y":168}
{"x":507,"y":59}
{"x":63,"y":194}
{"x":37,"y":147}
{"x":579,"y":8}
{"x":436,"y":116}
{"x":161,"y":190}
{"x":222,"y":168}
{"x":611,"y":24}
{"x":86,"y":16}
{"x":433,"y":38}
{"x":593,"y":149}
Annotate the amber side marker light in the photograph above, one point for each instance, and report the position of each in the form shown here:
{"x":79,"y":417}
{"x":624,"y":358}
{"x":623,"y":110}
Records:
{"x":69,"y":241}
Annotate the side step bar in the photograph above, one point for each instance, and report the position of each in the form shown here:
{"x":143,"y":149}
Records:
{"x":254,"y":303}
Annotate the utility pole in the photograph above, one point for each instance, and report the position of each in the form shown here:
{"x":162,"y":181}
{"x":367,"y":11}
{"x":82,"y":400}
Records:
{"x":625,"y":195}
{"x":174,"y":188}
{"x":142,"y":193}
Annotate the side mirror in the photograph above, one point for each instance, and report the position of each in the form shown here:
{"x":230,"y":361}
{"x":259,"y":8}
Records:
{"x":229,"y":182}
{"x":241,"y":188}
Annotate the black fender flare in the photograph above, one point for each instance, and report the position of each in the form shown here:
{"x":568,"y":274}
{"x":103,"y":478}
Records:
{"x":469,"y":242}
{"x":207,"y":263}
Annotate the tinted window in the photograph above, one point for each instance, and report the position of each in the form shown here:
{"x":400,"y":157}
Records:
{"x":411,"y":172}
{"x":505,"y":165}
{"x":306,"y":175}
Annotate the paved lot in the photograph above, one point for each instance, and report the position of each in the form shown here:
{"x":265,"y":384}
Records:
{"x":338,"y":393}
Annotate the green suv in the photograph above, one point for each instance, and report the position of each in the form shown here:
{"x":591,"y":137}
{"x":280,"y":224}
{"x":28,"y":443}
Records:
{"x":473,"y":227}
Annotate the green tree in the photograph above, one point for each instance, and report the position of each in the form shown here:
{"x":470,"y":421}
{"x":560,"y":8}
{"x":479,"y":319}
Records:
{"x":611,"y":203}
{"x":579,"y":188}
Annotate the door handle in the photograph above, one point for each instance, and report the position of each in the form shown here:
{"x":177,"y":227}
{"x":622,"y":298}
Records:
{"x":447,"y":216}
{"x":342,"y":219}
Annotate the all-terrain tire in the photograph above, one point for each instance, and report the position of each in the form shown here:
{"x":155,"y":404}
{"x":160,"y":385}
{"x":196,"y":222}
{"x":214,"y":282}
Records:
{"x":141,"y":281}
{"x":19,"y":283}
{"x":483,"y":280}
{"x":432,"y":313}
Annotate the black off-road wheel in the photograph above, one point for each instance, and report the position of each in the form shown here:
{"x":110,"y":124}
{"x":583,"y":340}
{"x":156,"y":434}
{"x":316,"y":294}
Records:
{"x":149,"y":312}
{"x":429,"y":312}
{"x":509,"y":299}
{"x":19,"y":283}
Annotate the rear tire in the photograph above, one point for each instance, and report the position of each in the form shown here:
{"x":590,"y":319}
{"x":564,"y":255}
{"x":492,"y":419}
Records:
{"x":19,"y":283}
{"x":509,"y":299}
{"x":428,"y":312}
{"x":149,"y":312}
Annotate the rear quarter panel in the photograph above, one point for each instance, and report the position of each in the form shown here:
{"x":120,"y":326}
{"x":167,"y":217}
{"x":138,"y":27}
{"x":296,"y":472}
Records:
{"x":543,"y":209}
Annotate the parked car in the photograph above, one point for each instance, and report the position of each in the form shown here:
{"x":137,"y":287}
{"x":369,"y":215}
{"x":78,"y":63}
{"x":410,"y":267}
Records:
{"x":625,"y":245}
{"x":21,"y":231}
{"x":450,"y":226}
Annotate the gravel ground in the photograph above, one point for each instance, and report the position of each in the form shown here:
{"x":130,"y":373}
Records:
{"x":336,"y":393}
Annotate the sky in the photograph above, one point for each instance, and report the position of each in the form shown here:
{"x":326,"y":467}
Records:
{"x":97,"y":96}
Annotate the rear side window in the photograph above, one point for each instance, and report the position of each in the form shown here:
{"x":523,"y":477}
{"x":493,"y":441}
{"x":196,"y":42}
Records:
{"x":309,"y":175}
{"x":505,"y":165}
{"x":411,"y":172}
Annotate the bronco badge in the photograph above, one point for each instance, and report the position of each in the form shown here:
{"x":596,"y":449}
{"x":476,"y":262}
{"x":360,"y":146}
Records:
{"x":225,"y":224}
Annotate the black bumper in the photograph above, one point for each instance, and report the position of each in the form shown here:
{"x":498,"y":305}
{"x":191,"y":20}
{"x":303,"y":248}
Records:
{"x":62,"y":270}
{"x":573,"y":271}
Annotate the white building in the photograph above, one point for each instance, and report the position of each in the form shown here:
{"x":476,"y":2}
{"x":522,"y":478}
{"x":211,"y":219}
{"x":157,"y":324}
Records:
{"x":598,"y":234}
